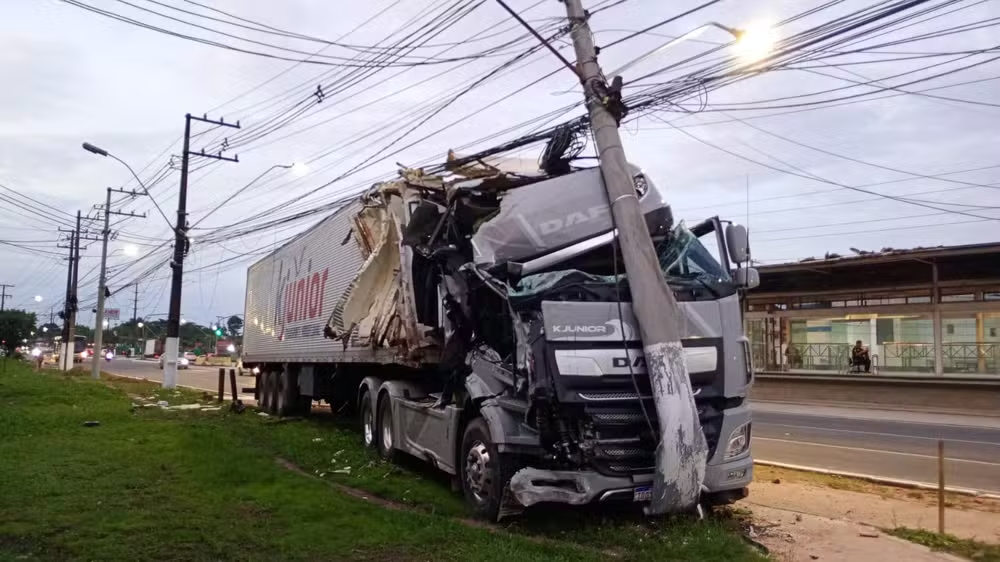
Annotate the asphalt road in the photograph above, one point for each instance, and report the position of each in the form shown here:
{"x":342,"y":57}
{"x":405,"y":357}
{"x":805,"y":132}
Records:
{"x":890,"y":444}
{"x":204,"y":378}
{"x":900,"y":445}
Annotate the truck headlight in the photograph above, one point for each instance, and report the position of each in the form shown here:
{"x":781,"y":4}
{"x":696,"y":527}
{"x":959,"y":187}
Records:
{"x":739,"y":441}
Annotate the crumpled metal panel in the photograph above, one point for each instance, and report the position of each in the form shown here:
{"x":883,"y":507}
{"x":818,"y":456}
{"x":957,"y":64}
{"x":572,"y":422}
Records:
{"x":377,"y":309}
{"x":528,"y":225}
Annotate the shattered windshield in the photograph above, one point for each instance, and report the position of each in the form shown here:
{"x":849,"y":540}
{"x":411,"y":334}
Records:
{"x":685,"y":260}
{"x":689,"y":268}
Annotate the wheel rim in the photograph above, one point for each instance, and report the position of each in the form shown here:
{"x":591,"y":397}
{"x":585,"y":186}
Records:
{"x":386,"y":434}
{"x":369,"y":426}
{"x":479,"y":471}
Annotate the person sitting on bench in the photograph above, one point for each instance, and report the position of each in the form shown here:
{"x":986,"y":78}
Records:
{"x":860,"y":357}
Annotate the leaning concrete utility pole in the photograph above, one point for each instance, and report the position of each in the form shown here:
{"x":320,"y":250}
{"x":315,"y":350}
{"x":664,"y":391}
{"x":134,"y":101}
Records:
{"x":682,"y":452}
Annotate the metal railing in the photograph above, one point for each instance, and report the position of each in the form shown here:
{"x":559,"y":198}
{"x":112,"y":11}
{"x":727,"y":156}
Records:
{"x":970,"y":358}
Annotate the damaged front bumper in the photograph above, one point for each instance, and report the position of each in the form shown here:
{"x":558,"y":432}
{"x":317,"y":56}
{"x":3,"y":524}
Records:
{"x":530,"y":486}
{"x":724,"y":482}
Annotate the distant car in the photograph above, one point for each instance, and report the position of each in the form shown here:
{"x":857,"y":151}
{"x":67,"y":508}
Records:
{"x":182,"y":361}
{"x":189,"y":356}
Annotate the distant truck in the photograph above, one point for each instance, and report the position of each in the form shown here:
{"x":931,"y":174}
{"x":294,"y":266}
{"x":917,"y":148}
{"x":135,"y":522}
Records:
{"x":481,"y":322}
{"x":152,"y":348}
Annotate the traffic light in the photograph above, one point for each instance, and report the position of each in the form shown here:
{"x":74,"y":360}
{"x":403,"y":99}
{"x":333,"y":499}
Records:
{"x":218,"y":332}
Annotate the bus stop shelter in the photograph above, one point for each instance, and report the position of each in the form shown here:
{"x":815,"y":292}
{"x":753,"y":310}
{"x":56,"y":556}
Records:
{"x":921,"y":312}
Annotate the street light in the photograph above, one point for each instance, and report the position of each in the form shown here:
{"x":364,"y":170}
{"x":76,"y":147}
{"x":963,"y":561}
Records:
{"x":102,"y":287}
{"x":297,"y":168}
{"x":38,"y":298}
{"x":753,"y":42}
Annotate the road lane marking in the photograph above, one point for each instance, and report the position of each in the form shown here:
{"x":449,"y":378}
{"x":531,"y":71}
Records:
{"x":874,"y":451}
{"x":760,"y":423}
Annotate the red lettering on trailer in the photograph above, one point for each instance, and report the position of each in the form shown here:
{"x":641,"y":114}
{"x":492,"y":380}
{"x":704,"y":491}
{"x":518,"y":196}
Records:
{"x":304,"y":298}
{"x":300,"y":299}
{"x":315,"y":296}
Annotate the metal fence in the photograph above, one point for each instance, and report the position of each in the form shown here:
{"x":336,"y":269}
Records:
{"x":967,"y":358}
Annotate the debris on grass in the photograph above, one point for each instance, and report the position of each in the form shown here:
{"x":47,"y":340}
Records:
{"x":91,"y":423}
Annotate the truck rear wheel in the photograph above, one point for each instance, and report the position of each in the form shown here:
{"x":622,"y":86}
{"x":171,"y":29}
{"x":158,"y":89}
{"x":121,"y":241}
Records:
{"x":484,"y":471}
{"x":266,"y":397}
{"x":385,"y":436}
{"x":367,"y":421}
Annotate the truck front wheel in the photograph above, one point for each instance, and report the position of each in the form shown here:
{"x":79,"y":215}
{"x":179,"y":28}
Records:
{"x":485,"y":472}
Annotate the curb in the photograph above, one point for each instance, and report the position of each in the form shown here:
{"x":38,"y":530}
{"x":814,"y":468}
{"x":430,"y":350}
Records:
{"x":880,"y":479}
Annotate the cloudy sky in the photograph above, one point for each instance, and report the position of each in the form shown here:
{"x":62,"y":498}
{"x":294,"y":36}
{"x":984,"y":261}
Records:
{"x":763,"y":151}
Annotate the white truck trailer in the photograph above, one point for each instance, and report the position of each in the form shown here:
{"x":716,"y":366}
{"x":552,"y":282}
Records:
{"x":480,"y":320}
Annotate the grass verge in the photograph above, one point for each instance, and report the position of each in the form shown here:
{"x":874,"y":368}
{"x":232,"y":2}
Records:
{"x":966,"y":548}
{"x":148,"y":483}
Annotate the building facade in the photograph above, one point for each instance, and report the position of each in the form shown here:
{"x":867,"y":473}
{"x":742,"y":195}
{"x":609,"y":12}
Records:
{"x":921,"y":312}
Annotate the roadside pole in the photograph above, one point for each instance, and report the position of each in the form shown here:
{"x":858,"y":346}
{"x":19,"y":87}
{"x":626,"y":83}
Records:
{"x":102,"y":286}
{"x":172,"y":345}
{"x":95,"y":368}
{"x":682,"y":452}
{"x":65,"y":334}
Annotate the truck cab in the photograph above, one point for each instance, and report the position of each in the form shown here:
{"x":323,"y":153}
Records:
{"x":542,"y":393}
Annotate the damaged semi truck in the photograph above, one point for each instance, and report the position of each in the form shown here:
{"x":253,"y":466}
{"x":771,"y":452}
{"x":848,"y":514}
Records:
{"x":480,"y":319}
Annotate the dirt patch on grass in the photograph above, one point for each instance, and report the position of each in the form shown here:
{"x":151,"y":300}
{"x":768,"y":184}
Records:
{"x":886,"y":511}
{"x":795,"y":537}
{"x":769,"y":474}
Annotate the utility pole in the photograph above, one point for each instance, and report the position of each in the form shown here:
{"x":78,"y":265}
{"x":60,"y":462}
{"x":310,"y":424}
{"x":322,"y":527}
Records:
{"x":69,"y":314}
{"x":682,"y":452}
{"x":4,"y":296}
{"x":135,"y":303}
{"x":172,"y":346}
{"x":102,"y":287}
{"x":64,"y":348}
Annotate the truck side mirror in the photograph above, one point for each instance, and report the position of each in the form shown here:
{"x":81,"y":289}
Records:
{"x":738,"y":243}
{"x":747,"y":277}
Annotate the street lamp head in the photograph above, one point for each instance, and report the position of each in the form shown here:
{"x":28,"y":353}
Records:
{"x":140,"y":324}
{"x":38,"y":298}
{"x":95,"y":149}
{"x":755,"y":41}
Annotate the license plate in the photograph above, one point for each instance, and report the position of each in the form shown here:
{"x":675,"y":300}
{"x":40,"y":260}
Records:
{"x":642,"y":494}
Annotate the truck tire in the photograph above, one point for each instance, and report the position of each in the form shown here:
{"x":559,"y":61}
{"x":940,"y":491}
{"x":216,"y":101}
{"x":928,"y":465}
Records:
{"x":484,"y":471}
{"x":264,"y":392}
{"x":288,"y":400}
{"x":368,"y":425}
{"x":271,"y":388}
{"x":386,"y":436}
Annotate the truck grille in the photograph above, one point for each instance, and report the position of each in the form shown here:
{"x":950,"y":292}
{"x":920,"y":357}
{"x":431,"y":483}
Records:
{"x":622,"y":417}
